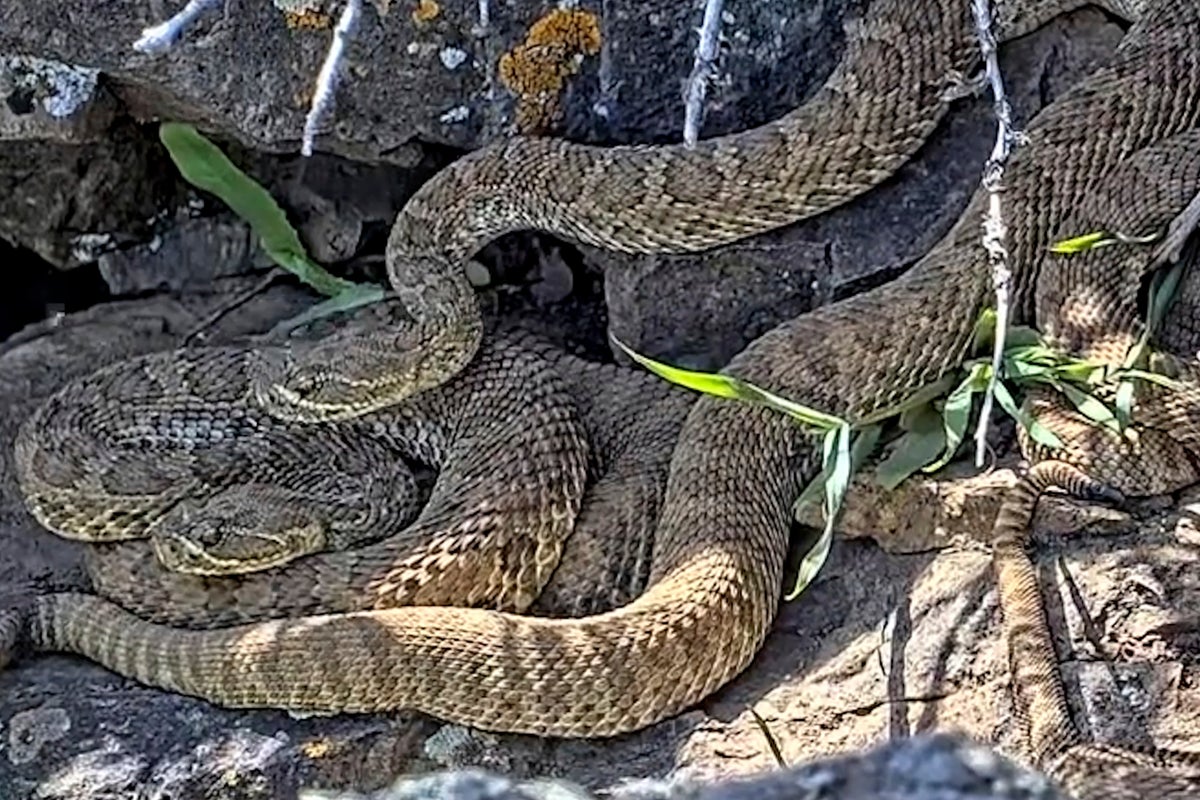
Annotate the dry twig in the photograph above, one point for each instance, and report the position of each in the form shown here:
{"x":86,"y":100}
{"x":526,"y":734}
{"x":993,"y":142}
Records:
{"x":994,"y":231}
{"x":160,"y":38}
{"x":702,"y":71}
{"x":327,"y":78}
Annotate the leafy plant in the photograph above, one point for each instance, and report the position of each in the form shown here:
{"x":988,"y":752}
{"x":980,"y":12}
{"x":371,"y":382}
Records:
{"x":1163,"y":285}
{"x":204,"y":166}
{"x":838,"y":449}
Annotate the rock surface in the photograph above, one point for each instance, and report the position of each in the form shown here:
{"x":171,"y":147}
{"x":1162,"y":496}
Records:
{"x":430,"y":71}
{"x":922,"y":768}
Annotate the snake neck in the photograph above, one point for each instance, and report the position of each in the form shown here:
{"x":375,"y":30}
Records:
{"x":676,"y":198}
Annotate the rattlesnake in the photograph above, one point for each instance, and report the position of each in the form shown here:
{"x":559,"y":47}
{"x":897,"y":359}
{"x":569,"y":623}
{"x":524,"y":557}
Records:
{"x":718,"y":549}
{"x":158,"y":463}
{"x":181,"y":452}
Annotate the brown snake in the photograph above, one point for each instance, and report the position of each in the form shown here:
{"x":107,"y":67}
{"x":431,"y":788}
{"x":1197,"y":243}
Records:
{"x":718,"y":550}
{"x":180,"y":452}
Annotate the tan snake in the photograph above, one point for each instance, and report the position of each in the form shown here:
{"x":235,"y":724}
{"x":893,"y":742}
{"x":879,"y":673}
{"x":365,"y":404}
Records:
{"x":718,"y":550}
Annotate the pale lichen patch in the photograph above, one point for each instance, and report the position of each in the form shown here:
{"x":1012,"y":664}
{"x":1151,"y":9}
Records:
{"x":30,"y":731}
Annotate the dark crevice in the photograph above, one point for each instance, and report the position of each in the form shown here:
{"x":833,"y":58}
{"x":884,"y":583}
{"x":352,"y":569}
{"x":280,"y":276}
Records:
{"x":35,"y":290}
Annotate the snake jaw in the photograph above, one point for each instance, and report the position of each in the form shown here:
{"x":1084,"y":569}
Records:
{"x":183,"y":553}
{"x":354,"y":372}
{"x":325,"y":386}
{"x":291,"y":405}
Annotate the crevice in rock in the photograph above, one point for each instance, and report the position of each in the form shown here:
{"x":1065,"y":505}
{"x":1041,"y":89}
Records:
{"x":35,"y":290}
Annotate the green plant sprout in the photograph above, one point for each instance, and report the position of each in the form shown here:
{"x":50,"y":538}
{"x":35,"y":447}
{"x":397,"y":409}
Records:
{"x":204,"y":166}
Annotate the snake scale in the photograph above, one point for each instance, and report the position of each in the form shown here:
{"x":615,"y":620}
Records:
{"x":716,"y":567}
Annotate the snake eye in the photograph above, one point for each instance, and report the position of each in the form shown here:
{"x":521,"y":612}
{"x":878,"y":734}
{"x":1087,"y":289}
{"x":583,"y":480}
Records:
{"x":305,"y":382}
{"x":207,"y":533}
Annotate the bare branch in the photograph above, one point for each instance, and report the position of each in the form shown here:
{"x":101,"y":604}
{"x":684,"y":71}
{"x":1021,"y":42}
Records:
{"x":702,"y":71}
{"x":160,"y":38}
{"x":327,"y":78}
{"x":994,"y":231}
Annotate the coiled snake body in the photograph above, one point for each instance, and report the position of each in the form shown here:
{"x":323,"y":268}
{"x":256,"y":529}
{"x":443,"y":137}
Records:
{"x":718,"y":549}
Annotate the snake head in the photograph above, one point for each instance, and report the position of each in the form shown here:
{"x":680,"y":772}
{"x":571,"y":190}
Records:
{"x":349,"y":374}
{"x":242,"y":529}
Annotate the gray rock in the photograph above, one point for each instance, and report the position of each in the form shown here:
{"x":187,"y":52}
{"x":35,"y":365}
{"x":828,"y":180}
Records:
{"x":50,"y":100}
{"x":429,"y":72}
{"x":922,"y":768}
{"x":191,"y":253}
{"x":72,"y":202}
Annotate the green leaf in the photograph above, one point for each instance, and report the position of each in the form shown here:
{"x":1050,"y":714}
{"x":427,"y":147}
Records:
{"x":360,"y":294}
{"x":1037,"y":431}
{"x":1080,"y":244}
{"x":863,"y":445}
{"x":1027,"y":371}
{"x":837,"y":467}
{"x":814,"y":490}
{"x":1091,"y":407}
{"x":1082,"y":372}
{"x":985,"y":331}
{"x":1033,"y":354}
{"x":204,"y":166}
{"x":1124,"y":403}
{"x":1165,"y":381}
{"x":839,"y":463}
{"x":812,"y":562}
{"x":1164,"y":286}
{"x":956,"y":413}
{"x":1090,"y":241}
{"x":729,"y":387}
{"x":924,"y":439}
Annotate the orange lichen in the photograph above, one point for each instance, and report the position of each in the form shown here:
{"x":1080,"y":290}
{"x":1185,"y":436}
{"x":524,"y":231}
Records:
{"x":426,"y":11}
{"x":573,"y":28}
{"x":537,"y":70}
{"x":316,"y":748}
{"x":307,"y":19}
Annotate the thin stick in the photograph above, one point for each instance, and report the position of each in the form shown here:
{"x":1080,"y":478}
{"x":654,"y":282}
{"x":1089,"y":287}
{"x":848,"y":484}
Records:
{"x":160,"y":38}
{"x":327,"y":78}
{"x":702,"y":71}
{"x":237,"y":300}
{"x":994,"y":231}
